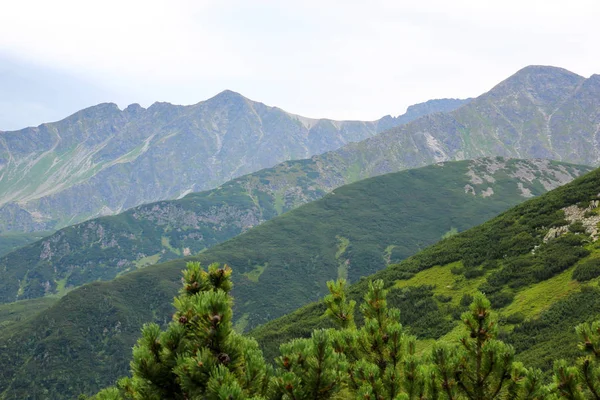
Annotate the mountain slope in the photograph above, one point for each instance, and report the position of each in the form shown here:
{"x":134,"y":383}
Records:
{"x":278,"y":266}
{"x":544,"y":112}
{"x":106,"y":247}
{"x":103,"y":160}
{"x":539,"y":263}
{"x":116,"y":159}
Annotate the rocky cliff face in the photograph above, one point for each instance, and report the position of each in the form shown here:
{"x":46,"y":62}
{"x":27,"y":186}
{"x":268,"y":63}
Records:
{"x":102,"y":160}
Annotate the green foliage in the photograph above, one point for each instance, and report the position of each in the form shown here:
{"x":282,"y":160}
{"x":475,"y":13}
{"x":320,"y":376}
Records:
{"x":577,"y":227}
{"x":587,"y":270}
{"x":509,"y":267}
{"x":198,"y":355}
{"x":540,"y":341}
{"x":309,"y":369}
{"x":484,"y":367}
{"x":581,"y":381}
{"x":338,"y":307}
{"x":112,"y":313}
{"x":381,"y":222}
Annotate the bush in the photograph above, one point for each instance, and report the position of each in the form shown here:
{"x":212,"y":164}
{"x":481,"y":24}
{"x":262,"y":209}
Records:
{"x":490,"y":264}
{"x":583,"y":204}
{"x":577,"y":227}
{"x":501,"y":299}
{"x":587,"y":270}
{"x":457,"y":270}
{"x":466,"y":300}
{"x":590,"y":213}
{"x":473,"y":273}
{"x":442,"y":298}
{"x":515,"y":318}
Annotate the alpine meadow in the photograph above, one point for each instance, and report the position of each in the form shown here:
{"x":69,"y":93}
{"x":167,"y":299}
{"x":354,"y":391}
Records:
{"x":299,"y":200}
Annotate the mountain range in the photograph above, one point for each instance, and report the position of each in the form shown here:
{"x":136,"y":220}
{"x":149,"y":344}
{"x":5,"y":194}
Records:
{"x":103,"y":160}
{"x":103,"y":248}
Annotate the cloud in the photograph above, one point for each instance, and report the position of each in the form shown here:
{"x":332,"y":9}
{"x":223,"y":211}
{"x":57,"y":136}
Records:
{"x":341,"y":59}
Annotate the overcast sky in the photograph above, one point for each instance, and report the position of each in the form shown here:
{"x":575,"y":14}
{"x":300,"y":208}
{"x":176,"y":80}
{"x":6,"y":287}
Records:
{"x":336,"y":59}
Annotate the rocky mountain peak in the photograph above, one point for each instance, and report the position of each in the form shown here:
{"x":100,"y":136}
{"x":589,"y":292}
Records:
{"x":102,"y":110}
{"x":543,"y":86}
{"x":134,"y":109}
{"x":226,"y":96}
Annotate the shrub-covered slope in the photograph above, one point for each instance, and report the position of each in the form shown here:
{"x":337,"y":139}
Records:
{"x":278,"y":266}
{"x":106,"y":247}
{"x":539,"y":263}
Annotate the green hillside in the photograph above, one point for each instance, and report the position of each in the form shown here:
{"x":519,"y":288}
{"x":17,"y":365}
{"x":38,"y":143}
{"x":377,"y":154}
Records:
{"x":538,"y":263}
{"x":82,"y":342}
{"x":106,"y":247}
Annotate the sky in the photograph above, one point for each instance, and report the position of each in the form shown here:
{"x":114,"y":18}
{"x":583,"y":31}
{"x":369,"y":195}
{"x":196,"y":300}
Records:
{"x":335,"y":59}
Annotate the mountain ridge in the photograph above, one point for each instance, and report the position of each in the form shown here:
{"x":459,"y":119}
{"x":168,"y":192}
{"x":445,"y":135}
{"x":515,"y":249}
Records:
{"x":102,"y":160}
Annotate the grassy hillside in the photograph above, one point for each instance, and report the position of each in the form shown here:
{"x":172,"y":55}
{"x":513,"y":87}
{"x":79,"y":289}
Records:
{"x":539,"y":263}
{"x":354,"y":231}
{"x":107,"y":247}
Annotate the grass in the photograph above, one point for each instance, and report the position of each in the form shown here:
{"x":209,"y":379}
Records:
{"x":166,"y":243}
{"x":444,"y":281}
{"x":18,"y":311}
{"x":241,"y":323}
{"x":342,"y":263}
{"x":254,"y":276}
{"x":148,"y":260}
{"x":537,"y":298}
{"x":279,"y":202}
{"x":61,"y":287}
{"x":12,"y":241}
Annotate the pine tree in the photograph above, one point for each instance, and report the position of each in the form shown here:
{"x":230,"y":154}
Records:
{"x":309,"y":369}
{"x":199,"y":355}
{"x":581,"y":381}
{"x":383,"y":363}
{"x":481,"y":367}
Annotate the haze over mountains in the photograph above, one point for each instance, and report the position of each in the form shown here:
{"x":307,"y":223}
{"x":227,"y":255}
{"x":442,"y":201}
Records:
{"x":103,"y":160}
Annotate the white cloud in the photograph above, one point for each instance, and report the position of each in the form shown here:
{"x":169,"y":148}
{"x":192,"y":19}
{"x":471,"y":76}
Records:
{"x":341,"y":59}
